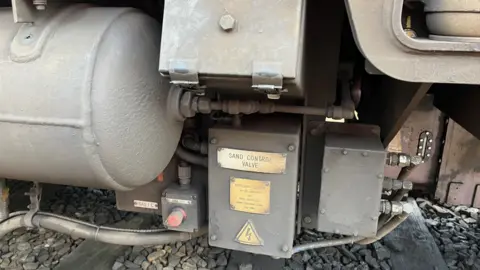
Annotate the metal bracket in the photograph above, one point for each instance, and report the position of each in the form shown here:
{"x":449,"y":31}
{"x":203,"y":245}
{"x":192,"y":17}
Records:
{"x":23,"y":11}
{"x":35,"y":194}
{"x":184,"y":73}
{"x":425,"y":144}
{"x":267,"y":78}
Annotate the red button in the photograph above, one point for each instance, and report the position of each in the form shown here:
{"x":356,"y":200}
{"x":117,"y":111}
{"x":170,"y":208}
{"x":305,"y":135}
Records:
{"x":176,"y":217}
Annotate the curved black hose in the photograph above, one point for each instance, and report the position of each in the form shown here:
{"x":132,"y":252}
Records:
{"x":191,"y":157}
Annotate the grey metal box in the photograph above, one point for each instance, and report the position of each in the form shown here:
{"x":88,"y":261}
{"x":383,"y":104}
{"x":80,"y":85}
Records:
{"x":351,"y":184}
{"x":267,"y":31}
{"x":231,"y":222}
{"x":190,"y":199}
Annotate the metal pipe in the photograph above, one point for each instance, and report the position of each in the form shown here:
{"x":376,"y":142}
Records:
{"x":78,"y":229}
{"x":327,"y":243}
{"x":299,"y":110}
{"x":191,"y":157}
{"x":206,"y":105}
{"x":386,"y":229}
{"x":399,"y":194}
{"x":405,"y":172}
{"x":17,"y":213}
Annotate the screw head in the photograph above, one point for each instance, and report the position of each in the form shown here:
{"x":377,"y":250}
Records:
{"x":285,"y":248}
{"x":380,"y":176}
{"x":326,"y":170}
{"x":213,"y":237}
{"x":322,"y":211}
{"x":307,"y":219}
{"x":344,"y":152}
{"x":227,"y":22}
{"x":291,"y":147}
{"x":365,"y":154}
{"x":213,"y":140}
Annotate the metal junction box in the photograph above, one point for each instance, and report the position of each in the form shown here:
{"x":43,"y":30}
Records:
{"x":252,"y":177}
{"x":223,"y":39}
{"x":351,"y":184}
{"x":190,"y":200}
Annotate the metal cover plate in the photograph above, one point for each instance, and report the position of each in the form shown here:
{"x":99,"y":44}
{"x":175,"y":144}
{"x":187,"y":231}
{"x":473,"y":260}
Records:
{"x":351,"y":185}
{"x":275,"y":229}
{"x":251,"y":161}
{"x":251,"y":196}
{"x":267,"y":30}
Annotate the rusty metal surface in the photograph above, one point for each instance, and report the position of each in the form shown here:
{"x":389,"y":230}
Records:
{"x":460,"y":102}
{"x":424,"y":118}
{"x":459,"y":175}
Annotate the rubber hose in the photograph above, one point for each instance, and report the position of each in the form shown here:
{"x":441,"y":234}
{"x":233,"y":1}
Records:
{"x":192,"y":158}
{"x":96,"y":233}
{"x":327,"y":243}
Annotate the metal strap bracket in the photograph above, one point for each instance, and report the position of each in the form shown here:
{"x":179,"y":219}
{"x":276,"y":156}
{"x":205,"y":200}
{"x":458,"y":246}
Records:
{"x":267,"y":78}
{"x":35,"y":194}
{"x":184,"y":73}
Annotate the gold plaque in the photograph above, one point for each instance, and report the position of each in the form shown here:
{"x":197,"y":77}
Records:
{"x":251,"y":161}
{"x":251,"y":196}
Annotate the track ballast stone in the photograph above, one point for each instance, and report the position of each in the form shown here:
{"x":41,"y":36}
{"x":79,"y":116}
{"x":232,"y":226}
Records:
{"x":456,"y":232}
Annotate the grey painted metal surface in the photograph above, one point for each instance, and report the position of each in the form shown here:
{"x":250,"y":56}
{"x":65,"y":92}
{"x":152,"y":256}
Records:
{"x":225,"y":38}
{"x":378,"y":32}
{"x":275,"y":228}
{"x":81,"y":101}
{"x":192,"y":200}
{"x":351,"y":186}
{"x":148,"y":198}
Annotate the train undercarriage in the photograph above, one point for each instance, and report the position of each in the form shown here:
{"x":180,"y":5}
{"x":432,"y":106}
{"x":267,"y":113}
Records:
{"x":243,"y":120}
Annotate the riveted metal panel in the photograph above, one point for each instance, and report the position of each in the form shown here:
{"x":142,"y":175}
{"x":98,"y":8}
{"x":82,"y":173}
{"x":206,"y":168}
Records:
{"x":351,"y":185}
{"x":245,"y":221}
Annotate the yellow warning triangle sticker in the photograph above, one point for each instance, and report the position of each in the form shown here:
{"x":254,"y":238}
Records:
{"x":248,"y":235}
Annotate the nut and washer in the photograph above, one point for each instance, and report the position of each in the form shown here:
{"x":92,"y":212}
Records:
{"x":227,"y":22}
{"x":291,"y":147}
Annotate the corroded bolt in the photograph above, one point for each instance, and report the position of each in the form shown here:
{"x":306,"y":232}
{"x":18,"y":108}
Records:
{"x":227,"y":22}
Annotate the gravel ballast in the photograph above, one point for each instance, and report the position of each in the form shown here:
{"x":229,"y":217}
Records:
{"x":455,"y":230}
